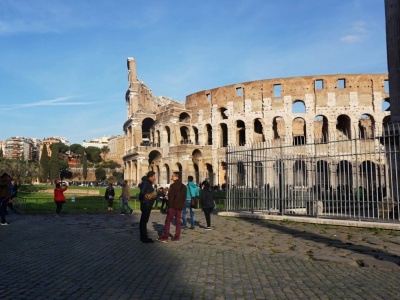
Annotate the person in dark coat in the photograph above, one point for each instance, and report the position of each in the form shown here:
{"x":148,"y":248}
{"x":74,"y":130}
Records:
{"x":109,"y":196}
{"x":146,"y":187}
{"x":207,"y":202}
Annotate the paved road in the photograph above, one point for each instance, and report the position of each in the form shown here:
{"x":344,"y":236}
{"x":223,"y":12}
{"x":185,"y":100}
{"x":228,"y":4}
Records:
{"x":99,"y":256}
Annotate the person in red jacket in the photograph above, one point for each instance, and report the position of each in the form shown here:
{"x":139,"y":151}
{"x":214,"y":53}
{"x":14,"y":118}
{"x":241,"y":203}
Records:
{"x":59,"y":197}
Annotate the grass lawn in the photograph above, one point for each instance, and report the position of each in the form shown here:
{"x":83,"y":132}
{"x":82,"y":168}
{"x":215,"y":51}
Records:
{"x":39,"y":198}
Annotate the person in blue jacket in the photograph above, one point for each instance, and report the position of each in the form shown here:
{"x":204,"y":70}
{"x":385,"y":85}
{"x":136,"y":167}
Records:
{"x":191,"y":191}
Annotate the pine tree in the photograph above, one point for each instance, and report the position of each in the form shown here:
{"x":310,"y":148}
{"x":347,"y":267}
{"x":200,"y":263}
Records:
{"x":54,"y":163}
{"x":44,"y":164}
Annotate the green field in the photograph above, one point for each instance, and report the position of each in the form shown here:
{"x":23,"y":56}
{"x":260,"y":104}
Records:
{"x":39,"y":198}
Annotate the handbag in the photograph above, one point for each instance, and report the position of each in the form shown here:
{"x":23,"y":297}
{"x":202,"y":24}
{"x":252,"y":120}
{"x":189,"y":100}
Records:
{"x":194,"y":202}
{"x":151,"y":196}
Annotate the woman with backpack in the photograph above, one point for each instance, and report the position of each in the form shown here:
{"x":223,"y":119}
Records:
{"x":207,"y":202}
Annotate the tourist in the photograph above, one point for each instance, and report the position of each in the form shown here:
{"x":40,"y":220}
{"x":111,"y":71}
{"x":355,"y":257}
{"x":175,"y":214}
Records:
{"x":207,"y":202}
{"x":5,"y":182}
{"x":125,"y":197}
{"x":191,"y":192}
{"x":109,"y":196}
{"x":59,"y":197}
{"x":147,"y":197}
{"x":176,"y":201}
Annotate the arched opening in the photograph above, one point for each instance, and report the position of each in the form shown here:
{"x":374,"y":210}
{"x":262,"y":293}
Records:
{"x":278,"y":128}
{"x":241,"y":174}
{"x":259,"y":174}
{"x":147,"y":123}
{"x":209,"y":134}
{"x":321,"y":129}
{"x":343,"y":127}
{"x":258,"y":131}
{"x":168,"y":134}
{"x":196,"y":135}
{"x":366,"y":126}
{"x":386,"y":121}
{"x":154,"y":157}
{"x":179,"y":169}
{"x":344,"y":178}
{"x":386,"y":104}
{"x":240,"y":133}
{"x":223,"y":111}
{"x":223,"y":131}
{"x":210,"y":174}
{"x":322,"y":179}
{"x":167,"y":174}
{"x":298,"y":107}
{"x":299,"y":131}
{"x":185,"y":135}
{"x":196,"y":159}
{"x":184,"y":117}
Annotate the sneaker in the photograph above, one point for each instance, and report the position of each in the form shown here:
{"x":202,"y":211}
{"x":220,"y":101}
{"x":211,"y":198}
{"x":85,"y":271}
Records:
{"x":122,"y":214}
{"x":207,"y":228}
{"x":5,"y":223}
{"x":132,"y":212}
{"x":162,"y":239}
{"x":175,"y":239}
{"x":192,"y":227}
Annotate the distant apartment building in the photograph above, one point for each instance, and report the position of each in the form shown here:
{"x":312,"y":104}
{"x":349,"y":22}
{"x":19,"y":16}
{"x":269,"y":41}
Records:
{"x":20,"y":148}
{"x":49,"y":141}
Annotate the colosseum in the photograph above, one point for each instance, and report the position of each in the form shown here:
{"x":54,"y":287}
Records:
{"x":193,"y":137}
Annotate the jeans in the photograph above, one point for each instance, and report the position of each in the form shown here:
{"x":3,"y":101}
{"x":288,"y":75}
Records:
{"x":173,"y":213}
{"x":184,"y":214}
{"x":144,"y":219}
{"x":125,"y":205}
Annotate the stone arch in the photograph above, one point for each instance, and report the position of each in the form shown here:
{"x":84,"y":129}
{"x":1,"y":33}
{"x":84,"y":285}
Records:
{"x":344,"y":177}
{"x":322,"y":177}
{"x":240,"y":133}
{"x":386,"y":104}
{"x":184,"y":117}
{"x":167,"y":174}
{"x":185,"y":135}
{"x":208,"y":129}
{"x":196,"y":159}
{"x":343,"y":127}
{"x":147,"y":123}
{"x":278,"y":128}
{"x":258,"y":131}
{"x":179,"y":169}
{"x":369,"y":174}
{"x":210,"y":173}
{"x":154,"y":156}
{"x":321,"y":129}
{"x":167,"y":133}
{"x":366,"y":126}
{"x":298,"y":107}
{"x":196,"y":135}
{"x":223,"y":112}
{"x":241,"y":174}
{"x":299,"y":131}
{"x":259,"y":174}
{"x":386,"y":121}
{"x":223,"y":135}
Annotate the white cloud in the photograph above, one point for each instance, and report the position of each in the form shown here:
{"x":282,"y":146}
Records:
{"x":357,"y":33}
{"x":53,"y":102}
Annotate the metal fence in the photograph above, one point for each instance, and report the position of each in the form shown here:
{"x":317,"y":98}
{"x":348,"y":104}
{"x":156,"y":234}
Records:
{"x":337,"y":177}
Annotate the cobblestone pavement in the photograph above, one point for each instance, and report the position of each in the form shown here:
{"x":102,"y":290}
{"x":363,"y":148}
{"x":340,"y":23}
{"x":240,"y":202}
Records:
{"x":99,"y":256}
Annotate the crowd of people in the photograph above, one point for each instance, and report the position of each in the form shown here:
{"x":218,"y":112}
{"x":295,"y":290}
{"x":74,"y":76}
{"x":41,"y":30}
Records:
{"x":176,"y":201}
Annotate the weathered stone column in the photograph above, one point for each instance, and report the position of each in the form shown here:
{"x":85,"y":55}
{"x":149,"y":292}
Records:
{"x":392,"y":14}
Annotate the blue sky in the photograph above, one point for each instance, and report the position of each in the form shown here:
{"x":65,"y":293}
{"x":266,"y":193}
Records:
{"x":63,"y":63}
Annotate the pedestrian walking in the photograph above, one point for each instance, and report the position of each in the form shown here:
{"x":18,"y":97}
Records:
{"x":207,"y":202}
{"x":176,"y":201}
{"x":191,"y":192}
{"x":109,"y":196}
{"x":125,"y":197}
{"x":59,"y":197}
{"x":147,"y":196}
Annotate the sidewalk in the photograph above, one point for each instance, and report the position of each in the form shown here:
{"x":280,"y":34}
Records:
{"x":100,"y":256}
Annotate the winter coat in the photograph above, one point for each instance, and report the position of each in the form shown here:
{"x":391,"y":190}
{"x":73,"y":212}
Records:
{"x":207,"y":198}
{"x":146,"y":187}
{"x":109,"y":192}
{"x":59,"y":194}
{"x":177,"y":195}
{"x":192,"y":190}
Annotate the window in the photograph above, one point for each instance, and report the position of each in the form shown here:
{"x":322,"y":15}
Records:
{"x":208,"y":97}
{"x":386,"y":85}
{"x":239,"y":92}
{"x":319,"y":84}
{"x":341,"y":83}
{"x":277,"y":90}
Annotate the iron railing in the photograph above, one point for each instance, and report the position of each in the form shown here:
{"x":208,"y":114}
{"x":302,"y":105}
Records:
{"x":338,"y":177}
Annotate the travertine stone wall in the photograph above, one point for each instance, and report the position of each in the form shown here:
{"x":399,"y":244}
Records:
{"x":164,"y":135}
